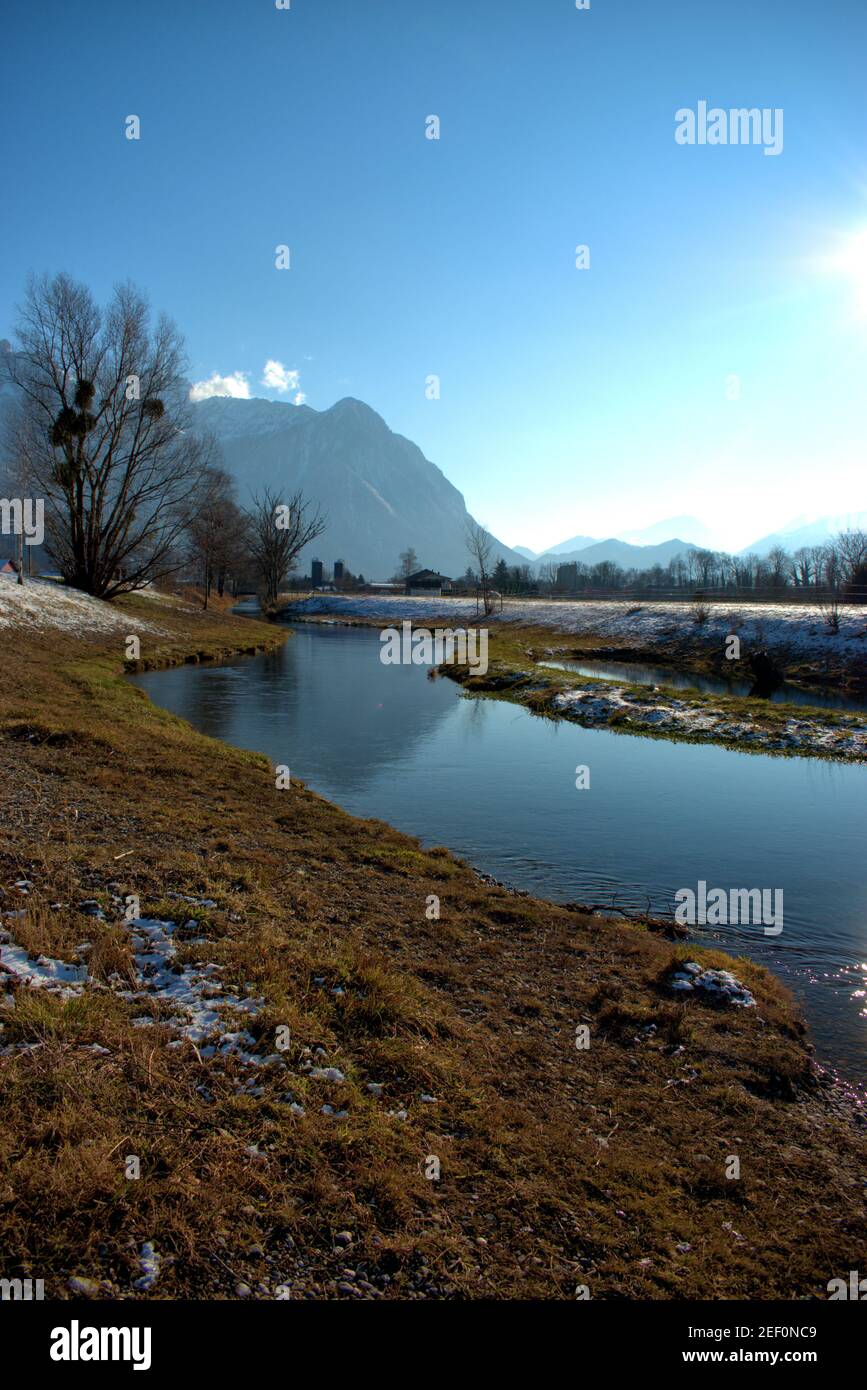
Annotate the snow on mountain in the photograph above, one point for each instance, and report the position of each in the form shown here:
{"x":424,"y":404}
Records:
{"x":233,"y":418}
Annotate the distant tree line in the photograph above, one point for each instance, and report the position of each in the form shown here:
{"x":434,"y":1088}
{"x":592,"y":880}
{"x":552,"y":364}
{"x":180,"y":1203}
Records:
{"x":838,"y":568}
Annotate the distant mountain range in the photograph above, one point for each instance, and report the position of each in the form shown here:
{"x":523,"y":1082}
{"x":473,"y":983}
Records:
{"x":628,"y":557}
{"x":694,"y":531}
{"x":660,"y":543}
{"x":655,"y":545}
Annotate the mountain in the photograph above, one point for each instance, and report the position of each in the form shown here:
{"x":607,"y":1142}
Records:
{"x":639,"y":557}
{"x":574,"y":543}
{"x":698,"y":535}
{"x":696,"y":532}
{"x":803,"y":532}
{"x":378,"y":490}
{"x":230,"y":418}
{"x":525,"y":551}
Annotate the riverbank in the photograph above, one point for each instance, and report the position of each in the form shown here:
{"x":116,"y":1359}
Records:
{"x":410,"y":1037}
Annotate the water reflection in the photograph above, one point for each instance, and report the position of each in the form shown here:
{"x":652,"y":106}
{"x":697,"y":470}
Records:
{"x":314,"y":692}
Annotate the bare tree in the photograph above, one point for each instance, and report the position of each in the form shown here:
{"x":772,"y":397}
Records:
{"x":480,"y":547}
{"x":802,"y":569}
{"x":832,"y":566}
{"x":817,"y":560}
{"x":778,"y":564}
{"x":704,"y":561}
{"x":104,"y":429}
{"x":279,"y":531}
{"x":233,"y":550}
{"x":212,"y":524}
{"x":407,"y":563}
{"x":851,"y":547}
{"x":548,"y":576}
{"x":746,"y":570}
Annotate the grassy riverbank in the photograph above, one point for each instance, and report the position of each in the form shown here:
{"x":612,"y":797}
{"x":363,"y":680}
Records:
{"x":559,"y":1167}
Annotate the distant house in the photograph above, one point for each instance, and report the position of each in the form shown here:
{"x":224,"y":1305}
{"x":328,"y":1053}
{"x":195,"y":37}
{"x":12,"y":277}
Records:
{"x":427,"y":584}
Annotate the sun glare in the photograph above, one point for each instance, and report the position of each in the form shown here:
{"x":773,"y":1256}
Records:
{"x":851,"y":260}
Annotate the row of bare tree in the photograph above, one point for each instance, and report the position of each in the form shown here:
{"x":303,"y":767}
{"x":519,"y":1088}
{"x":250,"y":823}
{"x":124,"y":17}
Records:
{"x":103,"y":433}
{"x":252,"y":547}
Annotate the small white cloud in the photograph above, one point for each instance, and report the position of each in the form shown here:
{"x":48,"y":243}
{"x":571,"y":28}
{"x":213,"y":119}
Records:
{"x":235,"y":385}
{"x":279,"y":378}
{"x":300,"y":398}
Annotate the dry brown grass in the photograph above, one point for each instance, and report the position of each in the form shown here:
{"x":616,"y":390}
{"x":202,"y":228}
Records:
{"x":559,"y":1167}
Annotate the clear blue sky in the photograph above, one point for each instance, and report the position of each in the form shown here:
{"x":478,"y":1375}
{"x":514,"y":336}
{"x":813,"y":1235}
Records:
{"x":572,"y":401}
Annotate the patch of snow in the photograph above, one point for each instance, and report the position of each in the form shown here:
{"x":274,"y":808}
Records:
{"x":193,"y":991}
{"x":597,"y":702}
{"x":326,"y":1074}
{"x":43,"y":972}
{"x":42,"y":605}
{"x":719,"y":986}
{"x":202,"y":1006}
{"x":150,"y":1265}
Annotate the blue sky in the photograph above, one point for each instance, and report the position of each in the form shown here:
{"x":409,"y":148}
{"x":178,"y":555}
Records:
{"x":572,"y":401}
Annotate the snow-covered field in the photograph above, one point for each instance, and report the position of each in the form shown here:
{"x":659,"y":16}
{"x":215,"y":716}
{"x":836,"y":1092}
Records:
{"x":42,"y":605}
{"x":799,"y":630}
